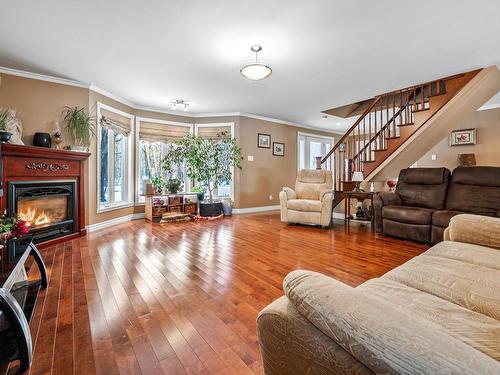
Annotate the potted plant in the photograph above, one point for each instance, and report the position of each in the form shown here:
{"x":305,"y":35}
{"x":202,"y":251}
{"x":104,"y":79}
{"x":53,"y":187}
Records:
{"x":80,"y":126}
{"x":200,"y":192}
{"x":5,"y":117}
{"x":158,"y":183}
{"x":209,"y":162}
{"x":173,"y":185}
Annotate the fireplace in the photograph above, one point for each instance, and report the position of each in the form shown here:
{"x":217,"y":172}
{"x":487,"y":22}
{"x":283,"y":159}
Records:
{"x":49,"y":207}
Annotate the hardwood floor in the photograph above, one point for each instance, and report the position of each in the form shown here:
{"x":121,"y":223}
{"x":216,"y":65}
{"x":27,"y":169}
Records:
{"x":143,"y":298}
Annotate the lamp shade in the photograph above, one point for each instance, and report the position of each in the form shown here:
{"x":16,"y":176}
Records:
{"x":357,"y":177}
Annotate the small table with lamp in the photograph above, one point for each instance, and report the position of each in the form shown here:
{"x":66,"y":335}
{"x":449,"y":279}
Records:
{"x":359,"y":195}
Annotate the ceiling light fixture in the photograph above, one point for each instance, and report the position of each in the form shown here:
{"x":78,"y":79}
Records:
{"x":256,"y":71}
{"x":181,"y":103}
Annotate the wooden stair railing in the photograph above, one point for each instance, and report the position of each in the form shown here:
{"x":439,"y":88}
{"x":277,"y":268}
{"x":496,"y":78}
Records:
{"x":388,"y":121}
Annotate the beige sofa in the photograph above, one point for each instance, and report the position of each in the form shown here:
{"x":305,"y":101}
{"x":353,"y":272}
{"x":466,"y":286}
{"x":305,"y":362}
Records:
{"x":438,"y":313}
{"x":311,"y":201}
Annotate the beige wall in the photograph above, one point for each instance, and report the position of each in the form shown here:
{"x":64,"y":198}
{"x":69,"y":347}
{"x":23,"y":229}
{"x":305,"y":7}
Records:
{"x":487,"y":148}
{"x":267,"y":174}
{"x":39,"y":104}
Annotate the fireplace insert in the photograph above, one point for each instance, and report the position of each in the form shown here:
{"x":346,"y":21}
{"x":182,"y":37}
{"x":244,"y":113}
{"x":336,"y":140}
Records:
{"x":49,"y":207}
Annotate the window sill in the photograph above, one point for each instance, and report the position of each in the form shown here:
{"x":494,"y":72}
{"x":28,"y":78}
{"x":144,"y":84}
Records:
{"x":114,"y":207}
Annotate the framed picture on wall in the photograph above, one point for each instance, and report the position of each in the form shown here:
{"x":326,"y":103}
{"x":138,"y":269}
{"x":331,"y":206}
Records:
{"x":463,"y":137}
{"x":263,"y":140}
{"x":278,"y":149}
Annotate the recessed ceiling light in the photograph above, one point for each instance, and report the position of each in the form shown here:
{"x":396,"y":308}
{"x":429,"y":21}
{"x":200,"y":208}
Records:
{"x":256,"y":71}
{"x":338,"y":123}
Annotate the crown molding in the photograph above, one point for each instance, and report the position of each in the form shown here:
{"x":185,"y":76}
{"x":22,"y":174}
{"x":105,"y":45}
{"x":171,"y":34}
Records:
{"x":43,"y":77}
{"x":99,"y":90}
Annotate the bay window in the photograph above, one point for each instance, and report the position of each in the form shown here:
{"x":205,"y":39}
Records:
{"x":114,"y":140}
{"x":155,"y":138}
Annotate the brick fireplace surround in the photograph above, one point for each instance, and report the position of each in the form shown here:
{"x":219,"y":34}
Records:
{"x":23,"y":165}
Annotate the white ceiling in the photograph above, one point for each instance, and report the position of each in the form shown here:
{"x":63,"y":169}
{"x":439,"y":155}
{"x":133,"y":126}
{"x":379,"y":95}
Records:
{"x":324,"y":53}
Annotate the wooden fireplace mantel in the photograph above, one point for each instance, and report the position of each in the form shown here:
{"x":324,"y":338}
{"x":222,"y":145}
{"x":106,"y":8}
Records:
{"x":28,"y":163}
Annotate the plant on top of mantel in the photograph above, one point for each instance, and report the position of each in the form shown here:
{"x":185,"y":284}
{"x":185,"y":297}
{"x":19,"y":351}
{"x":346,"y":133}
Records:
{"x":80,"y":126}
{"x":209,"y":162}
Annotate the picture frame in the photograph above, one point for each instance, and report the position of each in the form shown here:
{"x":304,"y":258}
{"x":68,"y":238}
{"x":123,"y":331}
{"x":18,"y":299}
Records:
{"x":278,"y":149}
{"x":263,"y":140}
{"x":463,"y":137}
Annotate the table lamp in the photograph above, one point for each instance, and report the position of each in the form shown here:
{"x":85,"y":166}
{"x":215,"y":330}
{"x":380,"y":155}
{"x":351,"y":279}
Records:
{"x":357,"y":177}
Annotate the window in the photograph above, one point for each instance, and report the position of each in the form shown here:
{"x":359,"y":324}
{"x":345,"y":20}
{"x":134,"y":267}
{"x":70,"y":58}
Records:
{"x":154,"y":140}
{"x":113,"y":153}
{"x":213,"y":131}
{"x":310,"y":146}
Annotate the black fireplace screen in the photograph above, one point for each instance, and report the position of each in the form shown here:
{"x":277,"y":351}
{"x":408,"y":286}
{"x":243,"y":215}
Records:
{"x":49,"y":207}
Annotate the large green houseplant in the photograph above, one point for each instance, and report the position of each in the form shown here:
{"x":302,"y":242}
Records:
{"x":80,"y":126}
{"x":209,"y":162}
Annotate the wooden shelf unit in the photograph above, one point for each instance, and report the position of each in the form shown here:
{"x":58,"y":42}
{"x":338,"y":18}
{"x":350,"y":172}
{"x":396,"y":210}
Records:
{"x":182,"y":203}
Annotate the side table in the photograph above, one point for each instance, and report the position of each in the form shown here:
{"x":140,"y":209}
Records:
{"x":360,"y":196}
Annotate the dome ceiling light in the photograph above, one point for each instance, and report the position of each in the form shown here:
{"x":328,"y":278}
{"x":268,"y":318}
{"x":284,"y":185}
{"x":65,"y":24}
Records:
{"x":256,"y":71}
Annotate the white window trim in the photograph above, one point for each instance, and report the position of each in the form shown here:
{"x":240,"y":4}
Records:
{"x":128,"y":202}
{"x":138,"y":121}
{"x":299,"y":133}
{"x":233,"y":136}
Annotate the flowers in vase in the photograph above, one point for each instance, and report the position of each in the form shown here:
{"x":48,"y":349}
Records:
{"x":12,"y":227}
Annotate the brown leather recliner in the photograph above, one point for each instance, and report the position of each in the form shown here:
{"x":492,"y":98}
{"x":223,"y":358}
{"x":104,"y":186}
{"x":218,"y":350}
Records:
{"x":407,"y":213}
{"x":471,"y":190}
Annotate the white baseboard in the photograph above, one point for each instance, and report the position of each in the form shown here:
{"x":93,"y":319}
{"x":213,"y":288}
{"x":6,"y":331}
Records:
{"x":251,"y":210}
{"x":109,"y":223}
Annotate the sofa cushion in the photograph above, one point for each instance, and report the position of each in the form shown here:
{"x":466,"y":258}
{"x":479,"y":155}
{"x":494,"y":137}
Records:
{"x":472,"y":286}
{"x":474,"y":329}
{"x":305,"y":205}
{"x":385,"y":339}
{"x":423,"y":187}
{"x":441,"y":218}
{"x":408,"y":215}
{"x":475,"y":190}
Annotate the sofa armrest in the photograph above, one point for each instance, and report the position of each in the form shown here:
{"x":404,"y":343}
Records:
{"x":384,"y":339}
{"x":290,"y":344}
{"x":290,"y":193}
{"x":389,"y":198}
{"x":384,"y":198}
{"x":323,"y":193}
{"x":474,"y":229}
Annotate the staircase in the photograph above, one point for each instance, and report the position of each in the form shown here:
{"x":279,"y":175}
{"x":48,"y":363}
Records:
{"x":388,"y":122}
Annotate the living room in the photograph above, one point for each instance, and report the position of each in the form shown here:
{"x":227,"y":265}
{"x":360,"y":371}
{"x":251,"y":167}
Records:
{"x":212,"y":192}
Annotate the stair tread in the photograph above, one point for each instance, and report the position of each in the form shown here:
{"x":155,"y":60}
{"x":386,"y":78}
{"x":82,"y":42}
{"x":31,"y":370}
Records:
{"x":381,"y":149}
{"x":420,"y":110}
{"x":441,"y":93}
{"x":407,"y":124}
{"x":394,"y":137}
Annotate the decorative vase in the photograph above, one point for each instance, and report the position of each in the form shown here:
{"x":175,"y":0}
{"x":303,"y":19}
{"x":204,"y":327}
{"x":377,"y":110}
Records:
{"x":5,"y":136}
{"x":42,"y":140}
{"x":227,"y":207}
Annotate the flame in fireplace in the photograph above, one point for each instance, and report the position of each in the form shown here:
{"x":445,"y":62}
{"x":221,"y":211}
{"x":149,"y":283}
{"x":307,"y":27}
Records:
{"x":34,"y":217}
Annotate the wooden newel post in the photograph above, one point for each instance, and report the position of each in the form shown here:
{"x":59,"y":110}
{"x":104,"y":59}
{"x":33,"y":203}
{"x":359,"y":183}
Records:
{"x":318,"y":162}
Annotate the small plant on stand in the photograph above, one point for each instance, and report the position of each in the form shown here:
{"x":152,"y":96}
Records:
{"x":173,"y":185}
{"x":158,"y":184}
